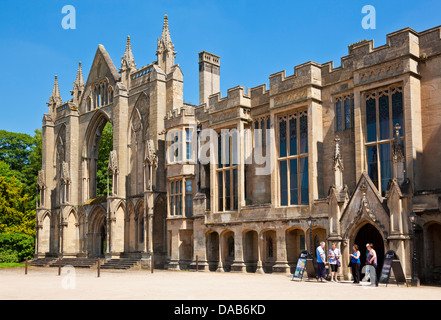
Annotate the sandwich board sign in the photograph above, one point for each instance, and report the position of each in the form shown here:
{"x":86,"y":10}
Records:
{"x":301,"y":264}
{"x":392,"y":262}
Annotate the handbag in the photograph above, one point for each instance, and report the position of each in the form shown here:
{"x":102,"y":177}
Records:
{"x":338,"y":261}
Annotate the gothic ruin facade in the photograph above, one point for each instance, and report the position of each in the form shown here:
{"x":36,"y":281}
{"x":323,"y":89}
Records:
{"x":354,"y":147}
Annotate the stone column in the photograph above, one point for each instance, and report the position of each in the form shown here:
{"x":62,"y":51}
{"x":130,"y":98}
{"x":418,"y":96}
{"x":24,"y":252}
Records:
{"x":238,"y":263}
{"x":221,"y":254}
{"x":282,"y":260}
{"x":259,"y":254}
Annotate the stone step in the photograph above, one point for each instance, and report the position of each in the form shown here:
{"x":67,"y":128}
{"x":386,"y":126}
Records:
{"x":119,"y":264}
{"x":42,"y":262}
{"x":75,"y":262}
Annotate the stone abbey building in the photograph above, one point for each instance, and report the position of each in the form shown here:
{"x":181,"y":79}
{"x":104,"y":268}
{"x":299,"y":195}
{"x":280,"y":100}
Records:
{"x":357,"y":148}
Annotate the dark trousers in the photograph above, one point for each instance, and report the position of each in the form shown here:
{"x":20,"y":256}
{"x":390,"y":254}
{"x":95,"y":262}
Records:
{"x":356,"y":272}
{"x":321,"y":270}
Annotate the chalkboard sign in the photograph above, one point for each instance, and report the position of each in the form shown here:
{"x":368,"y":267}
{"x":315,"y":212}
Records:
{"x":301,"y":263}
{"x":387,"y":267}
{"x":392,"y":262}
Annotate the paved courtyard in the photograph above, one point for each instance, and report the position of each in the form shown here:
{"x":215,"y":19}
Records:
{"x":44,"y":283}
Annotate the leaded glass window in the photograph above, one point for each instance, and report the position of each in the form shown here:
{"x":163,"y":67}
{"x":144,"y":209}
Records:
{"x":227,"y":170}
{"x":383,"y":109}
{"x":293,"y":159}
{"x":344,"y":112}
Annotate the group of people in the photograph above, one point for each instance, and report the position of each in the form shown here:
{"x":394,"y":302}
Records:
{"x":334,"y":256}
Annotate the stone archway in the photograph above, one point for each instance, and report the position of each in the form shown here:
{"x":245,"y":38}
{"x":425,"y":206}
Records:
{"x":433,"y":252}
{"x":295,"y":243}
{"x":250,"y":250}
{"x":227,"y":249}
{"x":90,"y":153}
{"x":97,"y":233}
{"x":367,"y":232}
{"x":212,"y":245}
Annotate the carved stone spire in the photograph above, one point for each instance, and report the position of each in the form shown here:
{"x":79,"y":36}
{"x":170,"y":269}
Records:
{"x":128,"y":61}
{"x":79,"y":79}
{"x":55,"y":99}
{"x":166,"y":50}
{"x":127,"y":64}
{"x":78,"y":85}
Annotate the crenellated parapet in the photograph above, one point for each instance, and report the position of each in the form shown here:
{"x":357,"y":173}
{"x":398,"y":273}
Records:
{"x":182,"y":116}
{"x":235,"y":105}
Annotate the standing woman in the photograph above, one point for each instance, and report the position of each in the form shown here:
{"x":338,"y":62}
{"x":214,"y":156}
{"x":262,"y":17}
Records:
{"x":334,"y":262}
{"x":355,"y":263}
{"x":372,"y":260}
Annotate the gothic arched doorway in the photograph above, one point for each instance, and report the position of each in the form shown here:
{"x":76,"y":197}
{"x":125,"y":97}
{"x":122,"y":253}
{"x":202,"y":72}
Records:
{"x":369,"y":234}
{"x":97,"y":233}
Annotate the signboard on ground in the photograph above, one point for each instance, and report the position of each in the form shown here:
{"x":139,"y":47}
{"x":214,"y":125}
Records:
{"x":392,"y":262}
{"x":301,"y":264}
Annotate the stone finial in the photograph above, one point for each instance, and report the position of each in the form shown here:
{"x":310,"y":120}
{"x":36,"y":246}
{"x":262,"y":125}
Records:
{"x":397,"y":147}
{"x":55,"y":98}
{"x":165,"y":36}
{"x":78,"y":85}
{"x":398,"y":155}
{"x":56,"y":89}
{"x":113,"y":162}
{"x":166,"y":50}
{"x":79,"y":79}
{"x":128,"y":61}
{"x":338,"y":160}
{"x":338,"y":165}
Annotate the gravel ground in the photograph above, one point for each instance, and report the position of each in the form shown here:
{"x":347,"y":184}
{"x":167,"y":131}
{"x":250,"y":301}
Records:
{"x":76,"y":284}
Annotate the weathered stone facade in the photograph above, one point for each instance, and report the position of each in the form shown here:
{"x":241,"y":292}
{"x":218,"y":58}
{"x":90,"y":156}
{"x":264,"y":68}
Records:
{"x":356,"y":148}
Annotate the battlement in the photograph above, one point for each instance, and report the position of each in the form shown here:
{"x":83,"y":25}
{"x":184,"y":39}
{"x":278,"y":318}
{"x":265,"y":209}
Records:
{"x":308,"y":73}
{"x":259,"y":95}
{"x":363,"y":54}
{"x":236,"y":96}
{"x":181,"y":116}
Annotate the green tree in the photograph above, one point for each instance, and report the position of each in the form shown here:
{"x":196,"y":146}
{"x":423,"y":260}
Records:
{"x":20,"y":161}
{"x":15,"y":247}
{"x":15,"y":149}
{"x":106,"y":145}
{"x":17,"y":211}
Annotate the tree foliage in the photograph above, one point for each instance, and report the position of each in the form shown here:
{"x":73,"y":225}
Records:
{"x":15,"y":247}
{"x":106,"y":145}
{"x":20,"y":161}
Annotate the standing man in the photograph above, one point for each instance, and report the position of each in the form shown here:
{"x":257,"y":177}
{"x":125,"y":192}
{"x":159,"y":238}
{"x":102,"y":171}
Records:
{"x":321,"y":260}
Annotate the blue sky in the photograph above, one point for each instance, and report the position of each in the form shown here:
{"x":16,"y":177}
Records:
{"x":253,"y":38}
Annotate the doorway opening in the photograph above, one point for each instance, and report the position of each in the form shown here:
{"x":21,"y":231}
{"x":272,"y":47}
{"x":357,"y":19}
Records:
{"x":369,"y":234}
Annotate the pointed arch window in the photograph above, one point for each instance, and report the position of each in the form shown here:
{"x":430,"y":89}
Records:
{"x":344,"y":112}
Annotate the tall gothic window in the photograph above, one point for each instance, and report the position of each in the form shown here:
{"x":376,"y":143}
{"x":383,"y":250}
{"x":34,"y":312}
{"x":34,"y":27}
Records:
{"x":384,"y":109}
{"x":293,"y":159}
{"x":344,"y":112}
{"x":226,"y":171}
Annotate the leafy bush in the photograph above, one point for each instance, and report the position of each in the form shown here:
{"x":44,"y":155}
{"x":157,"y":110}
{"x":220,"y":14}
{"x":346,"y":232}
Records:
{"x":15,"y":244}
{"x":8,"y":256}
